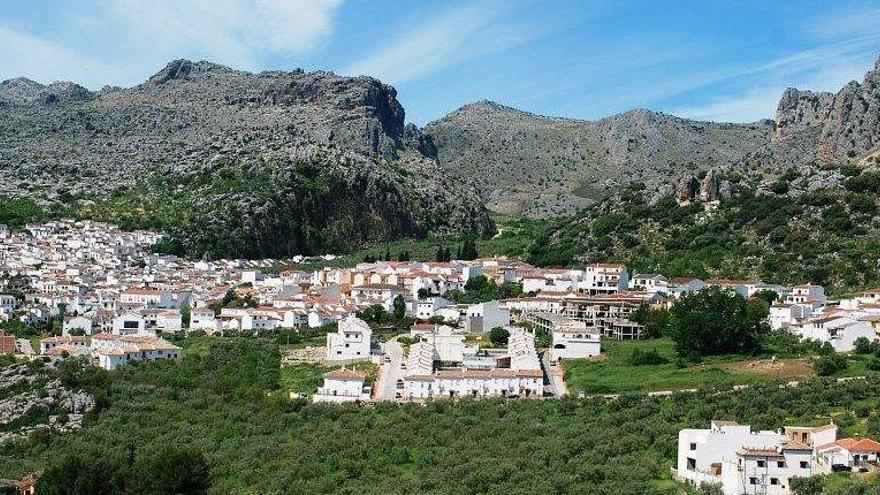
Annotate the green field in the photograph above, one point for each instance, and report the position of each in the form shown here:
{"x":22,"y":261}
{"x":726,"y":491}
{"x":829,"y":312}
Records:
{"x":613,"y":374}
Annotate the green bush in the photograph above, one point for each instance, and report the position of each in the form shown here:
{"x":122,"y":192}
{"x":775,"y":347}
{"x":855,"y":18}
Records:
{"x":829,"y":364}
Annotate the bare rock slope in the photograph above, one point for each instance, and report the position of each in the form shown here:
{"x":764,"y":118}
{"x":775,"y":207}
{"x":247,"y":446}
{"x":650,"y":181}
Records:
{"x":546,"y":166}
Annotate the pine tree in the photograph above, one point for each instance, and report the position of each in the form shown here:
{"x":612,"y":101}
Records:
{"x":458,"y":253}
{"x":440,"y":254}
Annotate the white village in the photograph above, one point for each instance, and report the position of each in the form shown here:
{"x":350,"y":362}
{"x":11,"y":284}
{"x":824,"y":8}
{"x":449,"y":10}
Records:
{"x":119,"y":303}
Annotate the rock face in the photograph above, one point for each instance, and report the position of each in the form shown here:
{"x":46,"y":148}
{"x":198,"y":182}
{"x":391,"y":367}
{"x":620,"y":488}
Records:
{"x":250,"y":155}
{"x":798,"y":110}
{"x":539,"y":166}
{"x":833,"y":128}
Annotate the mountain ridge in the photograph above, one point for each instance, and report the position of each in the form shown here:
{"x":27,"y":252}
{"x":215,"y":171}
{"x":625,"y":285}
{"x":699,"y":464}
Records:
{"x":280,"y":163}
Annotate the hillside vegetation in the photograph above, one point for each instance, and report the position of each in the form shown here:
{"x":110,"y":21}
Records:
{"x":210,"y":411}
{"x":824,"y":236}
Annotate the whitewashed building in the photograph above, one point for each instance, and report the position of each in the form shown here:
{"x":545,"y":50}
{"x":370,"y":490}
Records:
{"x":113,"y":351}
{"x":485,"y":316}
{"x":7,"y":306}
{"x":517,"y":374}
{"x":743,"y":461}
{"x":129,"y":323}
{"x":350,"y":341}
{"x":342,"y":386}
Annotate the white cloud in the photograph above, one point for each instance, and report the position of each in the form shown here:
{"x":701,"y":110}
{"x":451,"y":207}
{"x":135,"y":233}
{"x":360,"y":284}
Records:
{"x":237,"y":32}
{"x":453,"y":37}
{"x":131,"y":39}
{"x":752,"y":105}
{"x":24,"y":55}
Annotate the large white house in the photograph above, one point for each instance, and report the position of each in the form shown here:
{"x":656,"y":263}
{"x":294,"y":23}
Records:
{"x":351,"y":340}
{"x":485,"y":316}
{"x":841,"y":330}
{"x":342,"y":386}
{"x":604,"y":278}
{"x":129,"y":323}
{"x":203,"y":319}
{"x":113,"y":351}
{"x":743,"y":461}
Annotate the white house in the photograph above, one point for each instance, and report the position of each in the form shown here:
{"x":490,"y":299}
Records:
{"x":743,"y":461}
{"x":840,"y":329}
{"x":203,"y":319}
{"x":7,"y":306}
{"x":806,"y":293}
{"x":485,"y":316}
{"x":448,"y":344}
{"x":342,"y":386}
{"x":604,"y":278}
{"x":651,"y":283}
{"x":50,"y":343}
{"x":854,"y":453}
{"x":572,"y":340}
{"x":427,"y":308}
{"x":169,"y":320}
{"x":259,"y":320}
{"x":129,"y":323}
{"x":351,"y":340}
{"x":113,"y":351}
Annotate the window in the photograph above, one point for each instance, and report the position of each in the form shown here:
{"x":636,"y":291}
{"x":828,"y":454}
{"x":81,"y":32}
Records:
{"x":780,"y":464}
{"x":129,"y":324}
{"x":805,"y":464}
{"x":691,"y":464}
{"x":774,"y":481}
{"x":762,"y":463}
{"x":693,"y":446}
{"x":753,"y":481}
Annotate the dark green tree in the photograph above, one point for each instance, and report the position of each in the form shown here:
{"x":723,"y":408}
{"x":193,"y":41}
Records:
{"x":399,"y":312}
{"x":716,"y":321}
{"x":499,"y":336}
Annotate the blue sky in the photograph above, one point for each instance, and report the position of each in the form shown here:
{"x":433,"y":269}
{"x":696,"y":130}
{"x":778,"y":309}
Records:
{"x":721,"y":60}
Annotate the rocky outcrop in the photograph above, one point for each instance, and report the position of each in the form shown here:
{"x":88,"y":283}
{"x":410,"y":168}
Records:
{"x":251,"y":155}
{"x":798,"y":110}
{"x":24,"y":391}
{"x":832,"y":128}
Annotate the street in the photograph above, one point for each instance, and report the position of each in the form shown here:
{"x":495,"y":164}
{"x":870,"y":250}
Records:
{"x":390,"y":371}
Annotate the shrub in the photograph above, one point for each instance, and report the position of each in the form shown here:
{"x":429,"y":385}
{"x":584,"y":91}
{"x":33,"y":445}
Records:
{"x":639,"y":357}
{"x":829,"y":364}
{"x":499,"y":336}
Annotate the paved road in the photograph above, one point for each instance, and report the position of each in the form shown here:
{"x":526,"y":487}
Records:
{"x":390,"y":372}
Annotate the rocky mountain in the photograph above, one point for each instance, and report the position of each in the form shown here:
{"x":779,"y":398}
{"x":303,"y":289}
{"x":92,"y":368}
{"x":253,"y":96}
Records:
{"x":539,"y":166}
{"x":805,"y":206}
{"x":233,"y":163}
